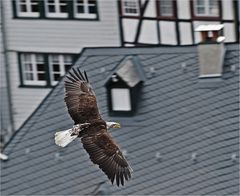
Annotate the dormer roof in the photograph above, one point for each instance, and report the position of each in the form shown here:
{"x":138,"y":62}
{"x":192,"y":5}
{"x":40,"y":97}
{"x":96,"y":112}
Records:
{"x":130,"y":71}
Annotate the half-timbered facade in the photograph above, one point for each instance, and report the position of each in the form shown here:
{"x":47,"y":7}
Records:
{"x":172,"y":22}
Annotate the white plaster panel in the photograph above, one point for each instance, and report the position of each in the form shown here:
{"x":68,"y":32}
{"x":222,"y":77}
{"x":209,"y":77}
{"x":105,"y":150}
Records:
{"x":185,"y":33}
{"x":229,"y":32}
{"x":151,"y":9}
{"x":129,"y":29}
{"x":227,"y":7}
{"x":183,"y":7}
{"x":168,"y":32}
{"x":148,"y":32}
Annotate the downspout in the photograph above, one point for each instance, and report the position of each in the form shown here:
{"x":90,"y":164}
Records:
{"x":11,"y":128}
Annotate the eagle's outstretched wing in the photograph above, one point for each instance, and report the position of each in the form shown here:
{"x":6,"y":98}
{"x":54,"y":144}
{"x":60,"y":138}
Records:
{"x":104,"y":152}
{"x":80,"y":97}
{"x":82,"y":107}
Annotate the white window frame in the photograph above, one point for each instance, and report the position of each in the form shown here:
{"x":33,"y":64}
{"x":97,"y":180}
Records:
{"x":207,"y":9}
{"x":29,"y":12}
{"x":57,"y":13}
{"x":162,"y":5}
{"x":33,"y":61}
{"x":86,"y":13}
{"x":121,"y":100}
{"x":124,"y":8}
{"x":62,"y":65}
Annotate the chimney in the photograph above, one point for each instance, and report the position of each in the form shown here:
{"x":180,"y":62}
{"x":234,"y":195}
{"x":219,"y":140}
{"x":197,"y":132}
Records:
{"x":211,"y":50}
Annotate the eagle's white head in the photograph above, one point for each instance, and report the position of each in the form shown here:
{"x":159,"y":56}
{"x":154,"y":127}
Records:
{"x":113,"y":125}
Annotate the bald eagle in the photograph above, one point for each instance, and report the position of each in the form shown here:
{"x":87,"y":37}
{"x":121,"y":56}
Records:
{"x":92,"y":129}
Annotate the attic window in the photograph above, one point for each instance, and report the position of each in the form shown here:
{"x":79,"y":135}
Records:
{"x":130,"y":7}
{"x":121,"y":99}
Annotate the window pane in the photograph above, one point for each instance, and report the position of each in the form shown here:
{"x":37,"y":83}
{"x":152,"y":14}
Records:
{"x":34,"y":8}
{"x":200,"y":2}
{"x":166,"y":7}
{"x":28,"y":67}
{"x":51,"y":8}
{"x":93,"y":2}
{"x":34,"y":5}
{"x":26,"y":57}
{"x":200,"y":10}
{"x":29,"y":76}
{"x":80,"y":9}
{"x":41,"y":76}
{"x":120,"y":99}
{"x":92,"y":10}
{"x":55,"y":58}
{"x":56,"y":77}
{"x":39,"y":58}
{"x":23,"y":8}
{"x":63,"y":6}
{"x":63,"y":9}
{"x":213,"y":2}
{"x":40,"y":67}
{"x":213,"y":7}
{"x":67,"y":67}
{"x":56,"y":67}
{"x":130,"y":7}
{"x":51,"y":2}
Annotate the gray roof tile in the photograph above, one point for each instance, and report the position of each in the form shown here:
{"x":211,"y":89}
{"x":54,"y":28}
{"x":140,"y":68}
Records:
{"x":176,"y":116}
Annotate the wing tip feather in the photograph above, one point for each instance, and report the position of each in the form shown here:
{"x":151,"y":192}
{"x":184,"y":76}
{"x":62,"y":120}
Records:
{"x":75,"y":74}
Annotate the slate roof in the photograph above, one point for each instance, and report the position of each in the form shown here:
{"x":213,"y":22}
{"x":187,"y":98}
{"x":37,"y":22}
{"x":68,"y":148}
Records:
{"x":177,"y":116}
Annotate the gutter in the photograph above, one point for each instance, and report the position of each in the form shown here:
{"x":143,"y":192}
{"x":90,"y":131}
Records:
{"x":11,"y":128}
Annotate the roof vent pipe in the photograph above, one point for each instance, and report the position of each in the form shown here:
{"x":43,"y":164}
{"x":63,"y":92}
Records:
{"x":211,"y":50}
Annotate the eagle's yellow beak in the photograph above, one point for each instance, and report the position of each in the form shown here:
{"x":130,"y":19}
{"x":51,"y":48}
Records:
{"x":117,"y":125}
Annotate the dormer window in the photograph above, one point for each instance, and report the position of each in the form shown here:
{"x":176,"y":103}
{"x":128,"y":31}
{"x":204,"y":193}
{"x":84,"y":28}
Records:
{"x":123,"y":87}
{"x":121,"y":99}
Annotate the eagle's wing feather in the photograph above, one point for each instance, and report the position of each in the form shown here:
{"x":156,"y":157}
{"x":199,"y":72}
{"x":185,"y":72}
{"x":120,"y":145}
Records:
{"x":104,"y":152}
{"x":80,"y":97}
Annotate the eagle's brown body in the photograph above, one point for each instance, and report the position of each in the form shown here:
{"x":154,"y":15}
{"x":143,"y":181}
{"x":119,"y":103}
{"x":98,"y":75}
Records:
{"x":82,"y":107}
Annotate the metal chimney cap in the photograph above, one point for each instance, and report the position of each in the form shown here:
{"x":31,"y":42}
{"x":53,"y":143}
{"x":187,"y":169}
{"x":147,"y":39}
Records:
{"x":212,"y":27}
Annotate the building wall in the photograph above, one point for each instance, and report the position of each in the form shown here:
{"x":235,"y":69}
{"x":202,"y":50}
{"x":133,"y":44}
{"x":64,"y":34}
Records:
{"x":148,"y":28}
{"x":5,"y":122}
{"x":53,"y":36}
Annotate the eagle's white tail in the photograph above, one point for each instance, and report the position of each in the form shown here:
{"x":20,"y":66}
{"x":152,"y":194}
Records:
{"x":63,"y":138}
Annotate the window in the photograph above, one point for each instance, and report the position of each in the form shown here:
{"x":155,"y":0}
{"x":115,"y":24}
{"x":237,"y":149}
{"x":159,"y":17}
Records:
{"x":33,"y":69}
{"x":59,"y":65}
{"x":166,"y":8}
{"x":51,"y":9}
{"x":206,"y":8}
{"x":56,"y":8}
{"x":130,"y":7}
{"x":27,"y":8}
{"x":43,"y":69}
{"x":85,"y":8}
{"x":120,"y":99}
